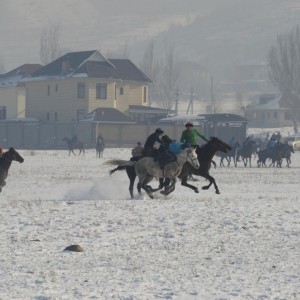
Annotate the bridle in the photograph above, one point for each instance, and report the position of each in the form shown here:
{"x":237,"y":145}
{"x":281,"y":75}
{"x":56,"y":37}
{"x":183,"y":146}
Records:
{"x":191,"y":158}
{"x":4,"y":156}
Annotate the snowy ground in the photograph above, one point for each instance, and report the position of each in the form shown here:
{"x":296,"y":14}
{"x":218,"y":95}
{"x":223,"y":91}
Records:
{"x":242,"y":244}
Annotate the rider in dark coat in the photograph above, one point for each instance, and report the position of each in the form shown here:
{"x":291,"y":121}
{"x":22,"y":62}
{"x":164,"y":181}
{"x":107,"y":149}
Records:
{"x":153,"y":143}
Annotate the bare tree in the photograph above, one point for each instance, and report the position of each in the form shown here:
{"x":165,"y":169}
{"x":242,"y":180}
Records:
{"x":151,"y":68}
{"x":2,"y":68}
{"x":122,"y":52}
{"x":169,"y":77}
{"x":49,"y":44}
{"x":284,"y":61}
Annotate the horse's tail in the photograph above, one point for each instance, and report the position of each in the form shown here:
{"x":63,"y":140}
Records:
{"x":119,"y":168}
{"x":120,"y":162}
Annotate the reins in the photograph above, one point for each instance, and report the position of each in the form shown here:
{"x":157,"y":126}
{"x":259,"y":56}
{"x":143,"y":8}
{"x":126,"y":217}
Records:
{"x":3,"y":156}
{"x":192,"y":159}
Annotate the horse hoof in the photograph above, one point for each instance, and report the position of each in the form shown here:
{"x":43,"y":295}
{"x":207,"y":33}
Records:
{"x":217,"y":192}
{"x":204,"y":188}
{"x":163,"y":192}
{"x":196,"y":191}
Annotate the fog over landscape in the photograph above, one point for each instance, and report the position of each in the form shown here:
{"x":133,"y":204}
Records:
{"x":216,"y":34}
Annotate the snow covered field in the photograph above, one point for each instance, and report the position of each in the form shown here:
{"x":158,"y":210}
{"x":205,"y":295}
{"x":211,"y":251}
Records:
{"x":242,"y":244}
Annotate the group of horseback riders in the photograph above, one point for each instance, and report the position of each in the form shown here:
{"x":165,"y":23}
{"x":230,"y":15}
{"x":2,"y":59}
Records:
{"x":163,"y":148}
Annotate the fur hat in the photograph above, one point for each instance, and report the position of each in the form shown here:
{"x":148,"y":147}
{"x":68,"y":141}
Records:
{"x":159,"y":131}
{"x":189,"y":124}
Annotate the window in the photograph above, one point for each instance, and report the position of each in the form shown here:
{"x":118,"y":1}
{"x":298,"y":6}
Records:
{"x":101,"y":91}
{"x":144,"y":94}
{"x":275,"y":115}
{"x":56,"y":88}
{"x":55,"y":116}
{"x":121,"y":91}
{"x":287,"y":115}
{"x":48,"y":116}
{"x":2,"y":112}
{"x":81,"y":90}
{"x":48,"y":90}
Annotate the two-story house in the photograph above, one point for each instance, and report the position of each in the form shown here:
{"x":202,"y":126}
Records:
{"x":79,"y":82}
{"x":13,"y":92}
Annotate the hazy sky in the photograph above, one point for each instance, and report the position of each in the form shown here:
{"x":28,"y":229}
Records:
{"x":211,"y":31}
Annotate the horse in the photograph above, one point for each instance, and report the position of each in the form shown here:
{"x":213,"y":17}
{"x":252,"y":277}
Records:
{"x":5,"y":161}
{"x":263,"y":155}
{"x":205,"y":155}
{"x":231,"y":154}
{"x":281,"y":151}
{"x":147,"y":168}
{"x":100,"y":146}
{"x":246,"y":152}
{"x":205,"y":159}
{"x":287,"y":153}
{"x":166,"y":140}
{"x":72,"y":146}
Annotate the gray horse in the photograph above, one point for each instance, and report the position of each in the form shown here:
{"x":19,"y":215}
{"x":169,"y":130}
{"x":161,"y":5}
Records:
{"x":146,"y":169}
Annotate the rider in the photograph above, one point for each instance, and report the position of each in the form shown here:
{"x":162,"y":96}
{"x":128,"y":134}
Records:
{"x":232,"y":142}
{"x":74,"y":140}
{"x":272,"y":143}
{"x":164,"y":155}
{"x":189,"y":135}
{"x":152,"y":143}
{"x":137,"y":150}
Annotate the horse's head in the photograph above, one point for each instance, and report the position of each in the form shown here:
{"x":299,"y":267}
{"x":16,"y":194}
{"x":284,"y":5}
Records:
{"x":12,"y":154}
{"x":219,"y":145}
{"x":192,"y":157}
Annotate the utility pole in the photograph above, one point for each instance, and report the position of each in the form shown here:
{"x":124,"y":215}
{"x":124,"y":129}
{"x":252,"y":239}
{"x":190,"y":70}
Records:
{"x":191,"y":103}
{"x":212,"y":102}
{"x":176,"y":101}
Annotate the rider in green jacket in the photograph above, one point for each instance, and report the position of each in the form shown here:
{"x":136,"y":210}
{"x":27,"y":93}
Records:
{"x":190,"y":135}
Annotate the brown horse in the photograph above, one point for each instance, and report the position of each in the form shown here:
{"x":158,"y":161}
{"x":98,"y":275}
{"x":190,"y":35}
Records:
{"x":5,"y":161}
{"x":73,"y":146}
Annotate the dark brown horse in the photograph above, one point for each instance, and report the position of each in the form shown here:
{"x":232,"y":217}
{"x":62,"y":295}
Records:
{"x":5,"y":161}
{"x":74,"y":146}
{"x":205,"y":156}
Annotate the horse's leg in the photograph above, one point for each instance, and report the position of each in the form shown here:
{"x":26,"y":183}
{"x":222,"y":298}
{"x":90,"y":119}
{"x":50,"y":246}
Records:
{"x":184,"y":183}
{"x":221,"y":162}
{"x":170,"y":188}
{"x":214,"y":163}
{"x":131,"y":175}
{"x":119,"y":168}
{"x":211,"y":181}
{"x":228,"y":161}
{"x":143,"y":183}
